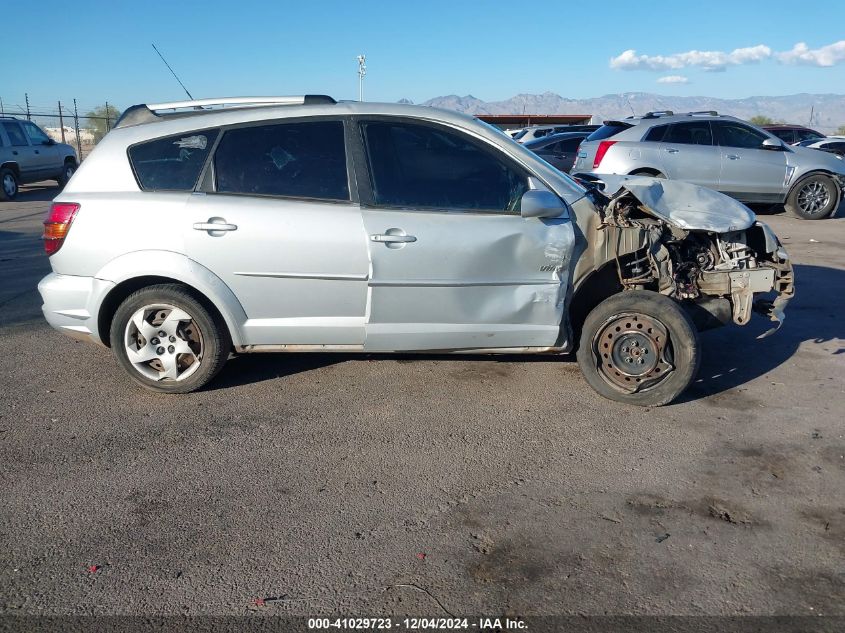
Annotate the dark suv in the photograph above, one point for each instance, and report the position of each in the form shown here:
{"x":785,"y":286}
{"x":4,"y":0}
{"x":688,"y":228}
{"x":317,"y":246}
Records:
{"x":28,"y":155}
{"x":792,"y":134}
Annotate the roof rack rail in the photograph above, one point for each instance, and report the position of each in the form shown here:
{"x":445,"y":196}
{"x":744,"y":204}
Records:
{"x":706,"y":112}
{"x":147,"y":113}
{"x":658,"y":113}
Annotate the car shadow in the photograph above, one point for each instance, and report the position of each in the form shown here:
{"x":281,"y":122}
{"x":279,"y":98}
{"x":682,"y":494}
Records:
{"x":731,"y":356}
{"x":40,"y":192}
{"x":734,"y":356}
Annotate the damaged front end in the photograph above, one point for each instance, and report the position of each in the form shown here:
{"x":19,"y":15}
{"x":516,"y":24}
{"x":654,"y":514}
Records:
{"x":699,"y":247}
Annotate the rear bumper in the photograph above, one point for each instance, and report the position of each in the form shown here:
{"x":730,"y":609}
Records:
{"x":71,"y":304}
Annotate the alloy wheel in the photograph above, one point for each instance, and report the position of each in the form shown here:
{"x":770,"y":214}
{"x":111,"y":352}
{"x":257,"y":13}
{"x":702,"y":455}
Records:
{"x":163,"y":342}
{"x":813,"y":197}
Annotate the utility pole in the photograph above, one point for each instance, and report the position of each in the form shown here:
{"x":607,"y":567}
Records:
{"x":362,"y":70}
{"x":26,"y":97}
{"x":61,"y":122}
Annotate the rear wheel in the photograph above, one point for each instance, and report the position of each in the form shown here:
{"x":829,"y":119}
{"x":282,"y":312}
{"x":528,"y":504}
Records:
{"x":813,"y":198}
{"x":167,"y":341}
{"x":8,"y":184}
{"x":639,"y":347}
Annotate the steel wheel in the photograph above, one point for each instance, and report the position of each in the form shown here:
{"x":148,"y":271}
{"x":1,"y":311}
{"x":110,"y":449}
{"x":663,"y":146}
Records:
{"x":635,"y":352}
{"x":813,"y":197}
{"x":163,"y":342}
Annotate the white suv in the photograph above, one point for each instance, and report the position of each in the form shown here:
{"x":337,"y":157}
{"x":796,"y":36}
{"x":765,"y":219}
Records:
{"x":200,"y":229}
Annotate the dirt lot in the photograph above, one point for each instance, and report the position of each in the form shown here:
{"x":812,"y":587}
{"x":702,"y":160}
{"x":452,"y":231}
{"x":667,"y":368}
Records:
{"x":391,"y":485}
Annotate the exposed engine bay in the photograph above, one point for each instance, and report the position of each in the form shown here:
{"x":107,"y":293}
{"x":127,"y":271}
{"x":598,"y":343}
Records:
{"x":698,"y":247}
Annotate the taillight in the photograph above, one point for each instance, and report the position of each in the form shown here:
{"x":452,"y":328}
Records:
{"x":57,"y":225}
{"x":601,"y":151}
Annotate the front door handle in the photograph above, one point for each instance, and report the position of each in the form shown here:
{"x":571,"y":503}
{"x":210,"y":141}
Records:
{"x":733,"y":157}
{"x":392,"y":239}
{"x":215,"y":226}
{"x":36,"y":151}
{"x":672,"y":150}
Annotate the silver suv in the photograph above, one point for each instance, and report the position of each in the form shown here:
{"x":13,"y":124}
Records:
{"x":719,"y":152}
{"x":201,"y":229}
{"x":28,"y":155}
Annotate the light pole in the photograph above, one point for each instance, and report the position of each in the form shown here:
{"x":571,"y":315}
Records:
{"x":362,"y":70}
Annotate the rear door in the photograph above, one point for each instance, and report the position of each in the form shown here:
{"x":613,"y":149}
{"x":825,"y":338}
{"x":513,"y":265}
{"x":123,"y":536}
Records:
{"x":687,"y":152}
{"x":749,"y":172}
{"x":22,"y":152}
{"x":278,"y":224}
{"x":562,"y":153}
{"x":454,"y":265}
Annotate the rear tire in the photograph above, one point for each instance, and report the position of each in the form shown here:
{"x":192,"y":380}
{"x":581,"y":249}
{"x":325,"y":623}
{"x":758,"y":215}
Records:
{"x":167,"y":340}
{"x":68,"y":169}
{"x":813,"y":198}
{"x":639,"y":347}
{"x":8,"y":184}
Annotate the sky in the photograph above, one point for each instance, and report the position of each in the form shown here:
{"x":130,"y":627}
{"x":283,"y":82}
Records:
{"x":101,"y":51}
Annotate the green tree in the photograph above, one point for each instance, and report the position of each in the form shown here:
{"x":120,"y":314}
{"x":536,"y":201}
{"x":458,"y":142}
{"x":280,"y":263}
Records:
{"x":840,"y":131}
{"x":760,"y":119}
{"x":101,"y":120}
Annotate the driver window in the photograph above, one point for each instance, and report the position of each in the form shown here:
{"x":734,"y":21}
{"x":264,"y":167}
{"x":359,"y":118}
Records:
{"x":36,"y":136}
{"x":737,"y":135}
{"x":427,"y":167}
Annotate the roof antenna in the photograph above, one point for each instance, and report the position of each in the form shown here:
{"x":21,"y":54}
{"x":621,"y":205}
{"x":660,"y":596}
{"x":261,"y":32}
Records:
{"x":173,"y":73}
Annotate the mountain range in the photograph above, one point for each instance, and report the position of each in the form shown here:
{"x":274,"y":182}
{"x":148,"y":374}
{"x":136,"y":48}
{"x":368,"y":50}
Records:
{"x":827,"y":110}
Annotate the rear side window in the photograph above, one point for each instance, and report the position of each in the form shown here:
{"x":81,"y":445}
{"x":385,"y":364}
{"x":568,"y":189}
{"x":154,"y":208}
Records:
{"x":172,"y":163}
{"x":296,"y":160}
{"x":689,"y":133}
{"x":15,"y":134}
{"x":421,"y":166}
{"x":656,"y":133}
{"x":610,"y":128}
{"x":803,"y":135}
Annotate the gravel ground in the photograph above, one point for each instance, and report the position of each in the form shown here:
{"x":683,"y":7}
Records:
{"x":390,"y":485}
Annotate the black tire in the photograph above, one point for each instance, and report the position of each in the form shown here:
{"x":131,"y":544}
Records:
{"x":68,"y":170}
{"x":8,"y":184}
{"x":626,"y":328}
{"x":800,"y":201}
{"x":205,"y":325}
{"x":648,"y":172}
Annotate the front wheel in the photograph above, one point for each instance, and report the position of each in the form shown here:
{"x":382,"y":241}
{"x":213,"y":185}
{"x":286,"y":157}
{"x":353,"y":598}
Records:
{"x":167,"y":340}
{"x":639,"y":347}
{"x":813,"y":198}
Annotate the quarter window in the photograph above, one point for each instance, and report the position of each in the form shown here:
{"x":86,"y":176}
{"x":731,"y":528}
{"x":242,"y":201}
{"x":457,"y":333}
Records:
{"x":15,"y":134}
{"x":422,"y":166}
{"x":689,"y":133}
{"x":298,"y":160}
{"x":172,"y":163}
{"x":738,"y":135}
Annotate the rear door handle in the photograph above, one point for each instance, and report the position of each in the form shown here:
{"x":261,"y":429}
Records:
{"x":672,"y":150}
{"x":215,"y":226}
{"x":733,"y":156}
{"x":392,"y":239}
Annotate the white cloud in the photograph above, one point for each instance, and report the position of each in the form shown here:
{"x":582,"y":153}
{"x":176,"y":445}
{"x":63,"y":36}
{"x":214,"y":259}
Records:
{"x":825,"y":56}
{"x":673,"y":79}
{"x":708,"y":60}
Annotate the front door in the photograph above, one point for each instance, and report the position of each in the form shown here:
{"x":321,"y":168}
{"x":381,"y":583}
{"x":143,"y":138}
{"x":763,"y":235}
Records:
{"x":748,"y":171}
{"x":279,"y":228}
{"x":454,"y":265}
{"x":45,"y":151}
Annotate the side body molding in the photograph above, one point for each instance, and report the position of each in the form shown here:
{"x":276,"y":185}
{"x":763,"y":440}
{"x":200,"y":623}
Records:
{"x":178,"y":267}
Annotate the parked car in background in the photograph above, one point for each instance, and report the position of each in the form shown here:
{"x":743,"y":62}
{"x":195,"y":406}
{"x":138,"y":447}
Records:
{"x":302,"y":224}
{"x":719,"y":152}
{"x":28,"y":155}
{"x":539,"y":131}
{"x":558,"y":149}
{"x":832,"y":144}
{"x":792,"y":134}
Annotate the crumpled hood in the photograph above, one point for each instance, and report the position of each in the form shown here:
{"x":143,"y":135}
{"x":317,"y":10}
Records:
{"x":684,"y":205}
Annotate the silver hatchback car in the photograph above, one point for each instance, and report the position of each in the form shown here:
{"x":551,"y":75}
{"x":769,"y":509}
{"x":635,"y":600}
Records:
{"x":719,"y":152}
{"x":197,"y":230}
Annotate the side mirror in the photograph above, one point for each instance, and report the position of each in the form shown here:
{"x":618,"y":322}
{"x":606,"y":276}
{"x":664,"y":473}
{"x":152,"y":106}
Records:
{"x":538,"y":203}
{"x":49,"y":141}
{"x":772,"y":144}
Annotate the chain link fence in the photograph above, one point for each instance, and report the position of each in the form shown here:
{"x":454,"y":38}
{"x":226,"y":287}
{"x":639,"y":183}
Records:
{"x":81,"y":126}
